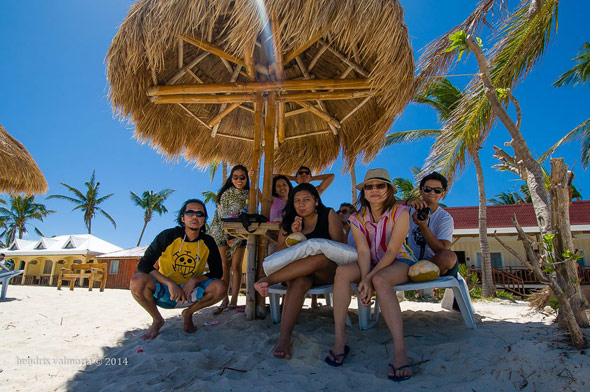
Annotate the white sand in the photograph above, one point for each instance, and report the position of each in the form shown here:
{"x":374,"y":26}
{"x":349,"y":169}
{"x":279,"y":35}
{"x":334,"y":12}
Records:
{"x":48,"y":336}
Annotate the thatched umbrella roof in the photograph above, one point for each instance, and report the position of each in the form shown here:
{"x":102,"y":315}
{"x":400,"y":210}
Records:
{"x":186,"y":74}
{"x":18,"y":170}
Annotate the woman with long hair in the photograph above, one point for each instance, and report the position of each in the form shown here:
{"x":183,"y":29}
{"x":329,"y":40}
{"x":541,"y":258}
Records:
{"x":281,"y":186}
{"x":304,"y":213}
{"x":231,"y":199}
{"x":379,"y":230}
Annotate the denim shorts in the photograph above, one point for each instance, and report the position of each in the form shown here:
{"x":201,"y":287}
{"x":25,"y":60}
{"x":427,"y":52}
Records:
{"x":162,"y":295}
{"x":409,"y":262}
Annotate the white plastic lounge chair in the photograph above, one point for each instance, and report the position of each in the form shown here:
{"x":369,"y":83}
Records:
{"x":5,"y":277}
{"x":276,"y":290}
{"x":368,"y":316}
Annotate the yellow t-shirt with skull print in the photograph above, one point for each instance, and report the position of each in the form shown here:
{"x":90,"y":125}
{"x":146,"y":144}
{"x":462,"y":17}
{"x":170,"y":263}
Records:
{"x":180,"y":259}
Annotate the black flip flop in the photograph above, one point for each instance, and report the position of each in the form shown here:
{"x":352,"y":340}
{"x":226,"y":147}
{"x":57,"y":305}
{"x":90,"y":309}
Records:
{"x":399,"y":378}
{"x":332,"y":362}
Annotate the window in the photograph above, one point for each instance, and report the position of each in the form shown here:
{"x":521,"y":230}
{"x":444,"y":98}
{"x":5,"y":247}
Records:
{"x":495,"y":256}
{"x":40,"y":246}
{"x":47,"y":267}
{"x":114,"y":268}
{"x":582,"y":261}
{"x":69,"y":245}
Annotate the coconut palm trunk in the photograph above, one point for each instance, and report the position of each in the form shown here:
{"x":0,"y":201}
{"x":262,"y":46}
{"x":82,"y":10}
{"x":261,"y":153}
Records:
{"x":487,"y":279}
{"x":353,"y":183}
{"x":145,"y":222}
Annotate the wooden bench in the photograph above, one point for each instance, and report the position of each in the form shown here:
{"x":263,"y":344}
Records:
{"x":95,"y":272}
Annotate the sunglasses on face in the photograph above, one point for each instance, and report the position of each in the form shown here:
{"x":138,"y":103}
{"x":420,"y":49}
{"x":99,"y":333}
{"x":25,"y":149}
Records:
{"x":436,"y":190}
{"x":380,"y":186}
{"x":236,"y":177}
{"x":191,"y":213}
{"x":343,"y":212}
{"x":303,"y":173}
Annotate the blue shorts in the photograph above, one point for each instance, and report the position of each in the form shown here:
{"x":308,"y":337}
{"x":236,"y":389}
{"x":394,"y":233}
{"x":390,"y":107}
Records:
{"x":162,"y":295}
{"x":409,"y":262}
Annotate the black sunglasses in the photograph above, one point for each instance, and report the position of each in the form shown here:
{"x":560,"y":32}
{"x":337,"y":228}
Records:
{"x":368,"y":187}
{"x":198,"y":214}
{"x":236,"y":177}
{"x":343,"y":212}
{"x":303,"y":172}
{"x":436,"y":190}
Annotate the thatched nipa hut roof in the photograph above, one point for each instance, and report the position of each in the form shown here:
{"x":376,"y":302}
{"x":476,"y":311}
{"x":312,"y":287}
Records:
{"x":187,"y":74}
{"x":18,"y":170}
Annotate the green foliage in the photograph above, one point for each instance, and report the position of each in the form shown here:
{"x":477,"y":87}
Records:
{"x":209,"y":196}
{"x":503,"y":295}
{"x":88,"y":201}
{"x":459,"y":43}
{"x":502,"y":93}
{"x":554,"y":303}
{"x":16,"y":217}
{"x":568,"y":254}
{"x":475,"y":293}
{"x":580,"y":73}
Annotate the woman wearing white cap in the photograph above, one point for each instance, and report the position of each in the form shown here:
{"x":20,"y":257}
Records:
{"x":379,"y":230}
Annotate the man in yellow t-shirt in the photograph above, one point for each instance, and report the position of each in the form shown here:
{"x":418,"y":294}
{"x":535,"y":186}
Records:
{"x":182,"y":253}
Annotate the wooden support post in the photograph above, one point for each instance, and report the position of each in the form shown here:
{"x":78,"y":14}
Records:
{"x":269,"y":135}
{"x":251,"y":261}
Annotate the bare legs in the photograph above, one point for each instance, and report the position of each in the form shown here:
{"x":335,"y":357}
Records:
{"x":142,"y":288}
{"x":236,"y":269}
{"x":445,"y":260}
{"x":345,"y":275}
{"x":214,"y":292}
{"x":231,"y":267}
{"x":383,"y":283}
{"x":302,"y":267}
{"x":300,"y":276}
{"x":226,"y":264}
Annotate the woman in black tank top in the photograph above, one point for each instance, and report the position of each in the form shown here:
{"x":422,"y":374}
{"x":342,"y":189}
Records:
{"x":304,"y":213}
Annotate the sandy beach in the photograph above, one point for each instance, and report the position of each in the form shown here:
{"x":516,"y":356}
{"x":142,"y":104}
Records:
{"x":80,"y":341}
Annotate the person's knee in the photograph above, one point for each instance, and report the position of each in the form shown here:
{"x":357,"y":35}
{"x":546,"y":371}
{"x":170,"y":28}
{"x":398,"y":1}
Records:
{"x":343,"y":274}
{"x":381,"y":283}
{"x":300,"y":283}
{"x":218,"y":288}
{"x":447,"y":258}
{"x":138,"y":282}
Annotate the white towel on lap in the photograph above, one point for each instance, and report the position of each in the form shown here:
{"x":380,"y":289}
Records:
{"x":335,"y":251}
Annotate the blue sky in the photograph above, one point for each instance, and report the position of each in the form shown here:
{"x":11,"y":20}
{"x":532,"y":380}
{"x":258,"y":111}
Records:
{"x":54,"y":100}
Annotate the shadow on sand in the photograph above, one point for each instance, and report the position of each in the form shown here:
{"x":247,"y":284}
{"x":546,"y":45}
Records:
{"x":236,"y":355}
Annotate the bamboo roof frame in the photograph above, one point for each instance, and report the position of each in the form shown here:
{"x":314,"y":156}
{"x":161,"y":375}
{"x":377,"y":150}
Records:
{"x":19,"y":172}
{"x":210,"y":59}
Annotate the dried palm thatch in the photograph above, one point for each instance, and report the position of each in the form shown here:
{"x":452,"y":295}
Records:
{"x":18,"y":170}
{"x":186,"y":73}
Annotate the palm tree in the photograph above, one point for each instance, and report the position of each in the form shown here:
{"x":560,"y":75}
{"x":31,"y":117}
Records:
{"x":16,"y":217}
{"x":579,"y":74}
{"x":151,"y":202}
{"x":209,"y":196}
{"x":445,"y":98}
{"x":87,"y":202}
{"x":521,"y":40}
{"x":505,"y":198}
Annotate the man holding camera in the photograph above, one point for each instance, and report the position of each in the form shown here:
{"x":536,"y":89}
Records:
{"x":431,"y":228}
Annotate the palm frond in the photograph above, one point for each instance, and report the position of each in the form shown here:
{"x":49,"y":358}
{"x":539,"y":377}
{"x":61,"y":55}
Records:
{"x":582,"y":132}
{"x":106,"y":215}
{"x":580,"y":73}
{"x":409,"y":136}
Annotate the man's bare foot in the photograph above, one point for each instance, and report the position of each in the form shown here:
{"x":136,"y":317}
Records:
{"x":187,"y":324}
{"x":262,"y":288}
{"x":282,"y":350}
{"x":154,"y":330}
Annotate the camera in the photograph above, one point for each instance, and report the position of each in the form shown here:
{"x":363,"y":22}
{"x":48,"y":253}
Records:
{"x":422,"y":213}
